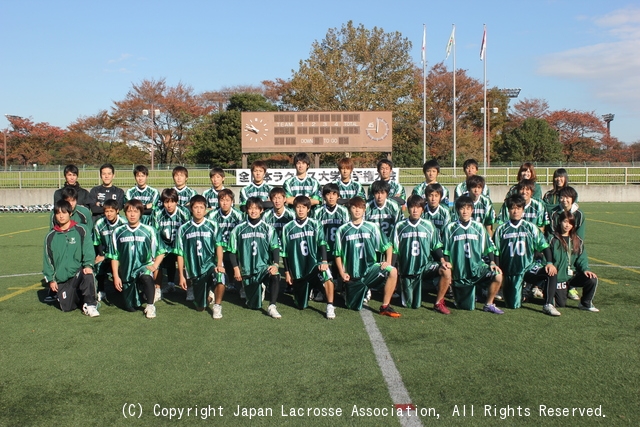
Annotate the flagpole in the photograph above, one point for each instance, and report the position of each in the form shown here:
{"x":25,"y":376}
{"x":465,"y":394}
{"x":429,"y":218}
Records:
{"x":424,"y":94}
{"x":483,"y":57}
{"x":455,"y":118}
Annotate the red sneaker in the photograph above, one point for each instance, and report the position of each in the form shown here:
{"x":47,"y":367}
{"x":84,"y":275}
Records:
{"x":441,"y":307}
{"x":388,"y":311}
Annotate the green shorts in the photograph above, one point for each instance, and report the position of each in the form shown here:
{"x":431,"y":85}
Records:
{"x":201,"y":285}
{"x":464,"y":291}
{"x":356,"y":288}
{"x":411,"y":286}
{"x":253,"y":288}
{"x":301,"y":287}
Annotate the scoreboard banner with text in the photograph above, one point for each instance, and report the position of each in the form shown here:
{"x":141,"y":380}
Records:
{"x":316,"y":132}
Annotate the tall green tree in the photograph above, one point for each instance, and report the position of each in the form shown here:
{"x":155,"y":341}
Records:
{"x":534,"y":140}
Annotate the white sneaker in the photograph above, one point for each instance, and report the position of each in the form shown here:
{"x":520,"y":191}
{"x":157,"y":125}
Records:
{"x":551,"y":310}
{"x":90,"y":310}
{"x":590,"y":308}
{"x":367,"y":297}
{"x":190,"y":296}
{"x":537,"y":293}
{"x":217,"y":311}
{"x":168,"y":288}
{"x":264,"y":290}
{"x":150,"y":311}
{"x":211,"y":298}
{"x":331,"y":312}
{"x":102,"y":296}
{"x":157,"y":296}
{"x":273,"y":311}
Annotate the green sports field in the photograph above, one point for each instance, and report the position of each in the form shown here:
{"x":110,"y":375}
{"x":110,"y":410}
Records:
{"x":122,"y":369}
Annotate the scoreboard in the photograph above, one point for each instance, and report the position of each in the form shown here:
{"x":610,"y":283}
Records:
{"x":316,"y":132}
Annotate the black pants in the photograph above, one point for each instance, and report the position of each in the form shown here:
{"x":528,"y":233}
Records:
{"x":579,"y":281}
{"x":76,"y":291}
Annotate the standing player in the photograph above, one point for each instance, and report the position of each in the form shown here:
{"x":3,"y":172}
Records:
{"x":148,"y":195}
{"x":136,"y":254}
{"x":528,"y":172}
{"x":551,"y":198}
{"x":102,"y":240}
{"x":431,"y":170}
{"x":71,"y":181}
{"x":385,"y":170}
{"x":255,"y":255}
{"x":216,"y":175}
{"x":302,"y":184}
{"x":482,"y":207}
{"x":331,"y":215}
{"x":258,"y":187}
{"x":105,"y":191}
{"x":416,"y":243}
{"x":280,"y":214}
{"x":358,"y":245}
{"x":180,"y":178}
{"x":470,"y":168}
{"x":199,"y":249}
{"x":68,"y":262}
{"x":304,"y":253}
{"x":439,"y":215}
{"x":466,"y":242}
{"x":347,"y":187}
{"x":517,"y":241}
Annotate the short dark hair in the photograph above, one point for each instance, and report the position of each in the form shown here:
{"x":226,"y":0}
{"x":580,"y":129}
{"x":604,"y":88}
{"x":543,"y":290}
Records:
{"x":345,"y":162}
{"x":463,"y":201}
{"x":431,"y":164}
{"x":169,"y":194}
{"x":71,"y":168}
{"x":62,"y":206}
{"x":226,"y":192}
{"x":108,"y":166}
{"x":357,"y":202}
{"x":380,"y":186}
{"x":140,"y":169}
{"x":515,"y":200}
{"x":180,"y":169}
{"x":302,"y":157}
{"x":198,"y":198}
{"x":431,"y":188}
{"x":568,"y":192}
{"x":69,"y":193}
{"x":277,"y":190}
{"x":470,"y":162}
{"x":111,"y":203}
{"x":254,"y":201}
{"x":475,"y":181}
{"x":415,"y":200}
{"x":526,"y":183}
{"x":259,"y":164}
{"x":331,"y":187}
{"x":135,"y":204}
{"x":302,"y":200}
{"x":384,"y":162}
{"x":216,"y":171}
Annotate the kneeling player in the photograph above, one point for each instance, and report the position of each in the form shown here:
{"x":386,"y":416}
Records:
{"x":416,"y":243}
{"x":254,"y":255}
{"x":304,"y":252}
{"x":358,"y":244}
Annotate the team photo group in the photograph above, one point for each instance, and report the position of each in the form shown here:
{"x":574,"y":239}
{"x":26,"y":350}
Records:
{"x":330,"y":243}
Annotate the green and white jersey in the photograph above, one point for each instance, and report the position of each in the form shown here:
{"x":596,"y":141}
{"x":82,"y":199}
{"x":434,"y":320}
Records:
{"x":461,"y":189}
{"x":135,"y":248}
{"x":419,"y":190}
{"x":146,"y":195}
{"x":211,"y":194}
{"x":397,"y":190}
{"x":167,"y":224}
{"x":252,"y":190}
{"x":439,"y":217}
{"x":278,"y":221}
{"x":350,"y":189}
{"x":103,"y":231}
{"x":226,"y":223}
{"x":465,"y":246}
{"x":534,"y":212}
{"x":197,"y":244}
{"x":482,"y":212}
{"x":80,"y":215}
{"x":516,"y":245}
{"x":386,"y":216}
{"x":301,"y":246}
{"x":553,"y":221}
{"x":184,"y":195}
{"x":253,"y":245}
{"x":537,"y":192}
{"x":308,"y":186}
{"x":413,"y":243}
{"x":331,"y":221}
{"x":358,"y":246}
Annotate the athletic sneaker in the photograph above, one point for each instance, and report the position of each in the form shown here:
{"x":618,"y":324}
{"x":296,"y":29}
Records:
{"x":331,"y":312}
{"x":389,"y":311}
{"x":102,"y":296}
{"x":367,"y":297}
{"x":150,"y":311}
{"x":573,"y":294}
{"x":537,"y":293}
{"x":190,"y":296}
{"x":441,"y":307}
{"x":90,"y":310}
{"x":168,"y":288}
{"x":211,"y":297}
{"x":217,"y":311}
{"x":499,"y":296}
{"x":273,"y":311}
{"x":491,"y":308}
{"x":592,"y":308}
{"x":157,"y":296}
{"x":551,"y":310}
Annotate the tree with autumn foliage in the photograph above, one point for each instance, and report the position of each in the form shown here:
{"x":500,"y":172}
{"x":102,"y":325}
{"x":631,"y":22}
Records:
{"x":179,"y":110}
{"x":31,"y":143}
{"x":581,"y":134}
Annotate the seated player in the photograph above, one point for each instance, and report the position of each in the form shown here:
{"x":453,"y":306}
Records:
{"x":258,"y":187}
{"x":166,"y":221}
{"x":534,"y":210}
{"x":382,"y":211}
{"x":136,"y":254}
{"x":470,"y":168}
{"x":347,"y":186}
{"x":416,"y":243}
{"x":149,"y":196}
{"x":528,"y":172}
{"x":466,"y":242}
{"x":517,"y":241}
{"x":255,"y":257}
{"x":216,"y":175}
{"x":199,"y":251}
{"x":304,"y":253}
{"x":358,"y":245}
{"x":68,"y":262}
{"x":180,"y":178}
{"x":302,"y":184}
{"x":435,"y":212}
{"x":385,"y":171}
{"x":571,"y":260}
{"x":431,"y":170}
{"x":102,"y":240}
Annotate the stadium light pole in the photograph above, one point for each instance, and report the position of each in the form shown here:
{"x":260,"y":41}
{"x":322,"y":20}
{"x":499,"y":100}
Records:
{"x":608,"y":118}
{"x":152,"y":115}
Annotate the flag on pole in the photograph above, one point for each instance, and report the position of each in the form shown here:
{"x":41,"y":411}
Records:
{"x":452,"y":41}
{"x":483,"y":48}
{"x":424,"y":43}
